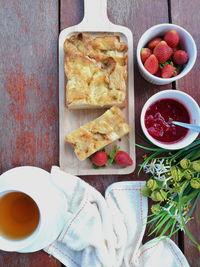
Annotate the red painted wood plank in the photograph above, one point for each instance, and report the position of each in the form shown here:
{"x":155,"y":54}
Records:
{"x":28,"y":96}
{"x":29,"y":83}
{"x":71,"y":12}
{"x":37,"y":259}
{"x":188,"y":18}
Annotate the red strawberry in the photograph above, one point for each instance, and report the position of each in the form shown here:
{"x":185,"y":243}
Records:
{"x":172,"y":38}
{"x":153,"y":43}
{"x":99,"y":158}
{"x":180,"y":57}
{"x":151,"y":64}
{"x":158,"y":73}
{"x":145,"y":53}
{"x":123,"y":159}
{"x":162,"y":51}
{"x":167,"y":71}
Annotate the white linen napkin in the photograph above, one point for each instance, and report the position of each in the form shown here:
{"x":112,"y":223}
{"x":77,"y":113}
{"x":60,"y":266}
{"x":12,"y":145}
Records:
{"x":108,"y":232}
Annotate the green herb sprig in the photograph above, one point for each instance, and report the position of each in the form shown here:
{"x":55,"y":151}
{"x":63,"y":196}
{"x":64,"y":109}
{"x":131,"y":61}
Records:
{"x":174,"y":186}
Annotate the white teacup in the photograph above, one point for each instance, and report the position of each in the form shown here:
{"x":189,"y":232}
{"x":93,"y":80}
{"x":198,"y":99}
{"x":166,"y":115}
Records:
{"x":36,"y":183}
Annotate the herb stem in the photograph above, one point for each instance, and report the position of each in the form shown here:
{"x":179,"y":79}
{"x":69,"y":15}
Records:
{"x":190,"y":236}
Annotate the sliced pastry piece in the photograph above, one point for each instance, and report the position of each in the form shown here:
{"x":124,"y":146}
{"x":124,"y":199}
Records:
{"x":98,"y":133}
{"x":96,"y":70}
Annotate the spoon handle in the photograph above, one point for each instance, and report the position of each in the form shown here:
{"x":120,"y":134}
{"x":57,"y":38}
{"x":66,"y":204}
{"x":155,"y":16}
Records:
{"x":192,"y":127}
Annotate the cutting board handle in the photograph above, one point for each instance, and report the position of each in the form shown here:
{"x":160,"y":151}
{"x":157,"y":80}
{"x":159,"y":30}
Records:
{"x":95,"y":13}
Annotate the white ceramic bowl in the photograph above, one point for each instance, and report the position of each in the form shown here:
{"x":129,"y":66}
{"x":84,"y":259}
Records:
{"x":186,"y":42}
{"x":188,"y":102}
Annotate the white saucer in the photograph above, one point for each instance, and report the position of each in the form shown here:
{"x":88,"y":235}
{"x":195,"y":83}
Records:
{"x":40,"y":180}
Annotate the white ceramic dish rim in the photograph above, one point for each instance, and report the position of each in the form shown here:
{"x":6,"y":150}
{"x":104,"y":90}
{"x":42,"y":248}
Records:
{"x":190,"y":63}
{"x":189,"y":138}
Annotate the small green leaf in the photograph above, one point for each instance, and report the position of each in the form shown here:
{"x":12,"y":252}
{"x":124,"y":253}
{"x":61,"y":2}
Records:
{"x":157,"y":216}
{"x":112,"y":155}
{"x":159,"y":225}
{"x":98,"y":167}
{"x":172,"y":228}
{"x":151,"y":149}
{"x":156,"y":222}
{"x":178,"y":67}
{"x":166,"y":63}
{"x":168,"y":225}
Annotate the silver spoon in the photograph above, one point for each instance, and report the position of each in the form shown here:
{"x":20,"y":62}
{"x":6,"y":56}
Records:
{"x":192,"y":127}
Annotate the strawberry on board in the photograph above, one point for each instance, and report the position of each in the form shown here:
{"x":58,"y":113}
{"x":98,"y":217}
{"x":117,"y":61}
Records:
{"x":145,"y":53}
{"x":167,"y":71}
{"x":172,"y":38}
{"x":153,"y":43}
{"x":180,"y":57}
{"x":123,"y":159}
{"x":162,"y":52}
{"x":99,"y":158}
{"x":151,"y":64}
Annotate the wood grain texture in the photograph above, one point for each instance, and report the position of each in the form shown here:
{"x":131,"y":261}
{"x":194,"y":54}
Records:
{"x":28,"y":96}
{"x":29,"y":83}
{"x":189,"y":19}
{"x":37,"y":259}
{"x":71,"y":12}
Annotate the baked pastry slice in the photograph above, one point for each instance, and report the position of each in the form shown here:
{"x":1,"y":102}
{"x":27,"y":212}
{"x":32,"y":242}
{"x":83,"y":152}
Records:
{"x":98,"y":133}
{"x":96,"y":70}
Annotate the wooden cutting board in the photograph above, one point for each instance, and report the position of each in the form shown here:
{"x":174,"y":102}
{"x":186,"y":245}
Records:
{"x":96,"y":23}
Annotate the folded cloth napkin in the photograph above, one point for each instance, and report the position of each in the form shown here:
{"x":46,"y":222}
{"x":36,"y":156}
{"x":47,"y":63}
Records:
{"x":108,"y":232}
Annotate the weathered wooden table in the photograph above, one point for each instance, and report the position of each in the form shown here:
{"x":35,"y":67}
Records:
{"x":29,"y":86}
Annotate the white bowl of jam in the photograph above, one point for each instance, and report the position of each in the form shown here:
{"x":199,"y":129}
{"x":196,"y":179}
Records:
{"x":161,"y":110}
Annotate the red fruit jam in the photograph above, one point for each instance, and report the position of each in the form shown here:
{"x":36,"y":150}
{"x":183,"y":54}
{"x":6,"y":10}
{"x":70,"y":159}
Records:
{"x":159,"y":117}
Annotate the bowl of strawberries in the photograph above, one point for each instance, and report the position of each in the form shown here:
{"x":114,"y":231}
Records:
{"x":165,"y":53}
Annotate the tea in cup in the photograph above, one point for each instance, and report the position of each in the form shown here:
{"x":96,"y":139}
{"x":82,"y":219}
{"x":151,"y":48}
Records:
{"x":19,"y":215}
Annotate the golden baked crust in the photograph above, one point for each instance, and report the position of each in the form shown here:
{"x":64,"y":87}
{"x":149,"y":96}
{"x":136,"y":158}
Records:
{"x":98,"y":133}
{"x":96,"y":70}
